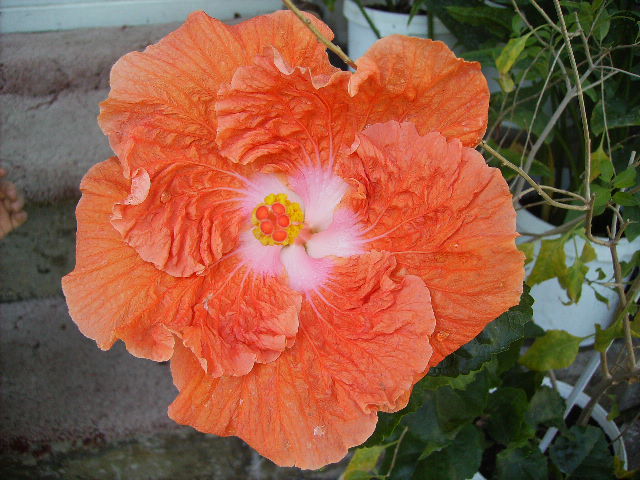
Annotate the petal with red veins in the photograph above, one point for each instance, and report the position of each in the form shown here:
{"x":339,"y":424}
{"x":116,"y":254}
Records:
{"x":192,"y":215}
{"x":410,"y":79}
{"x":447,"y":216}
{"x":284,"y":115}
{"x":112,"y":293}
{"x":167,"y":93}
{"x":357,"y":351}
{"x":243,"y":318}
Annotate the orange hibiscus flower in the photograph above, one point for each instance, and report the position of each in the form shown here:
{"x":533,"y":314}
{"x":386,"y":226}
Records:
{"x":303,"y":243}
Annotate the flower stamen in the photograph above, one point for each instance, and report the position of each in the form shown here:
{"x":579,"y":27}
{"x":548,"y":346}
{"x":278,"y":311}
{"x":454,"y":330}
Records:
{"x":277,"y":221}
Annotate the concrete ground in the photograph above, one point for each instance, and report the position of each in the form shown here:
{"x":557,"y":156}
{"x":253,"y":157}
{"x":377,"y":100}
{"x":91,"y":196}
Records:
{"x":67,"y":409}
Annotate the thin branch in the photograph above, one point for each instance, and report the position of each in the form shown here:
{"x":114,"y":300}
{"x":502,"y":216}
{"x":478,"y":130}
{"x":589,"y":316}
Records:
{"x":531,"y":181}
{"x":583,"y":110}
{"x":331,"y":46}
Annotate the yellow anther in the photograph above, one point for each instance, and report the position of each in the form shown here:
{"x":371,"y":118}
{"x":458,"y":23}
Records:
{"x":265,"y":219}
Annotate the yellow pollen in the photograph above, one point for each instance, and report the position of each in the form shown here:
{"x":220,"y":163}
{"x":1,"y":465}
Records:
{"x":277,"y":221}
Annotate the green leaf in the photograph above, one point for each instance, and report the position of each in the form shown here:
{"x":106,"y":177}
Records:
{"x":386,"y":426}
{"x":627,"y":267}
{"x":626,"y":199}
{"x":551,"y":261}
{"x":529,"y":251}
{"x":546,"y":408}
{"x":442,"y":413}
{"x":506,"y":410}
{"x":506,"y":82}
{"x":588,"y":253}
{"x":556,"y":349}
{"x":458,"y":461}
{"x":583,"y":453}
{"x":363,"y":461}
{"x":622,"y":472}
{"x":633,"y":230}
{"x":483,"y":16}
{"x":496,"y":337}
{"x":600,"y":297}
{"x":510,"y":53}
{"x":626,"y":178}
{"x":616,"y":330}
{"x":620,"y":113}
{"x":603,"y":195}
{"x":601,"y":165}
{"x":573,"y":278}
{"x":522,"y":463}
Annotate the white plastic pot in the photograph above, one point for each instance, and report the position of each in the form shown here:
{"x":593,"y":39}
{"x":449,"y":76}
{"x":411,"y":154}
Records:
{"x":361,"y":37}
{"x":549,"y":309}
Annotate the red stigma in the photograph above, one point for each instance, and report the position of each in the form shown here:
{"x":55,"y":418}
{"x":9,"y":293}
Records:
{"x":262,"y":212}
{"x":278,"y":208}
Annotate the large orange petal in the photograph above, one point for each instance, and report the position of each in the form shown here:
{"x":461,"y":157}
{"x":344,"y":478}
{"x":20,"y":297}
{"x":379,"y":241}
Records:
{"x":168,"y":92}
{"x":112,"y":293}
{"x":281,"y":114}
{"x":448,"y":218}
{"x":186,"y":217}
{"x":243,"y":318}
{"x":415,"y":80}
{"x":321,"y":396}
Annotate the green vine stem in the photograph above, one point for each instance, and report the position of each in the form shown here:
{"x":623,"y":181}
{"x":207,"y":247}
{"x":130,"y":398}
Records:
{"x":533,"y":183}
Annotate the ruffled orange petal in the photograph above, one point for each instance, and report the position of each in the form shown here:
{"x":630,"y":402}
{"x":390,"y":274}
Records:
{"x":167,"y":93}
{"x":415,"y":80}
{"x":358,"y":350}
{"x":186,"y":219}
{"x":448,"y":218}
{"x":242,"y":318}
{"x":112,"y":293}
{"x":284,"y":115}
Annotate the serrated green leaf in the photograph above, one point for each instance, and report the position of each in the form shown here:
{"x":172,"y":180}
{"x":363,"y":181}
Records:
{"x":545,"y":408}
{"x":625,"y":179}
{"x":510,"y":53}
{"x":363,"y":462}
{"x":556,"y":349}
{"x":583,"y":452}
{"x":522,"y":463}
{"x":601,"y":165}
{"x":529,"y":251}
{"x":459,"y":461}
{"x":552,"y":261}
{"x":506,"y":410}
